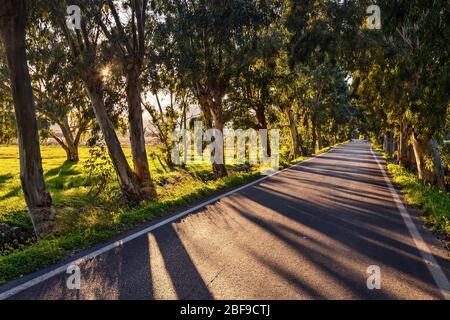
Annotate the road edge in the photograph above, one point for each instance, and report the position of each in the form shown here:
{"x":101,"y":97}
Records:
{"x":427,"y":256}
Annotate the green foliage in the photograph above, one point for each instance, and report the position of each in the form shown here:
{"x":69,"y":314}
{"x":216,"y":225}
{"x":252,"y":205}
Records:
{"x":99,"y":172}
{"x":445,"y":154}
{"x":7,"y":119}
{"x":434,"y":203}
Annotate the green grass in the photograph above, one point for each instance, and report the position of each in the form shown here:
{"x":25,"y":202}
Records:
{"x":84,"y":221}
{"x":433,"y":203}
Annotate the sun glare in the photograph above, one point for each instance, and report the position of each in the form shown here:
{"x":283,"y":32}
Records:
{"x":105,"y":72}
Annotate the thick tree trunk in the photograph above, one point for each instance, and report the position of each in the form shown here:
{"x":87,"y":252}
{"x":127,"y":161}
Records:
{"x":388,"y":143}
{"x":405,"y":156}
{"x":296,"y":143}
{"x":319,"y":138}
{"x":207,"y":116}
{"x":439,"y":170}
{"x":314,"y":134}
{"x":137,"y":137}
{"x":13,"y":15}
{"x":262,"y":125}
{"x":219,"y":169}
{"x":428,"y":160}
{"x":70,"y":154}
{"x":71,"y":147}
{"x":128,"y":181}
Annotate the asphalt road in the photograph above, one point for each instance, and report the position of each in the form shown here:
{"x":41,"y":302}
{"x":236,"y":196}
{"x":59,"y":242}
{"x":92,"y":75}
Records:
{"x":310,"y":232}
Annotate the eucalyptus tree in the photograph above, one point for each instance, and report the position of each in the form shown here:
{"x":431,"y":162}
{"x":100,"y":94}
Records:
{"x":13,"y":21}
{"x":423,"y":60}
{"x":125,"y":25}
{"x":250,"y":102}
{"x":321,"y":33}
{"x":286,"y":96}
{"x":165,"y":118}
{"x":212,"y":43}
{"x":409,"y":68}
{"x":325,"y":102}
{"x":85,"y":46}
{"x":61,"y":98}
{"x":8,"y":130}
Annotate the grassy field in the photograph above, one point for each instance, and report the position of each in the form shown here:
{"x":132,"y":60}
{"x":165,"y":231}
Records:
{"x":72,"y":188}
{"x":86,"y":217}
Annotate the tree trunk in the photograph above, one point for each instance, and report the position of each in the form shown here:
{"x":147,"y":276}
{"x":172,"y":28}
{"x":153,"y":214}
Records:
{"x":388,"y":143}
{"x":428,"y":160}
{"x":137,"y":137}
{"x":262,"y":125}
{"x":314,"y":134}
{"x":128,"y":181}
{"x":219,"y":169}
{"x":71,"y":146}
{"x":207,"y":116}
{"x":319,"y":138}
{"x":405,"y":156}
{"x":13,"y":15}
{"x":296,"y":143}
{"x":437,"y":161}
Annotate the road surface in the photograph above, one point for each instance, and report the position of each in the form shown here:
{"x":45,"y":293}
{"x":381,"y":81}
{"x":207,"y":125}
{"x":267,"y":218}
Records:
{"x":310,"y":232}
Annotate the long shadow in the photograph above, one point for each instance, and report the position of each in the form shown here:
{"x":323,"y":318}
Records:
{"x":358,"y":229}
{"x":334,"y":173}
{"x":5,"y":177}
{"x":13,"y":193}
{"x":135,"y":275}
{"x":378,"y":247}
{"x":325,"y":170}
{"x":348,"y":160}
{"x":326,"y":264}
{"x":185,"y":277}
{"x":62,"y":170}
{"x":129,"y":269}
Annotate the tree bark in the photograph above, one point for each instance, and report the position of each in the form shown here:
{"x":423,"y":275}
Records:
{"x":13,"y":15}
{"x":296,"y":143}
{"x":405,"y":156}
{"x":136,"y":128}
{"x":388,"y":143}
{"x":262,"y":125}
{"x":439,"y":170}
{"x":71,"y":146}
{"x":428,"y":160}
{"x":314,"y":134}
{"x":128,"y":181}
{"x":220,"y":171}
{"x":319,"y":138}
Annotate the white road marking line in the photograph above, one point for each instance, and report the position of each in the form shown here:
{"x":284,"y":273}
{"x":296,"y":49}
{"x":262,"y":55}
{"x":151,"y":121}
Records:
{"x":35,"y":281}
{"x":428,"y":258}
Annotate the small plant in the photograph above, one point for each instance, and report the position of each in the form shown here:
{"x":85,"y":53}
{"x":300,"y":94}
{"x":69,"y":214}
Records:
{"x":99,"y":172}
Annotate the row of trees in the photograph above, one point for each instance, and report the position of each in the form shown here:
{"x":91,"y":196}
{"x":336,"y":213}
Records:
{"x":244,"y":63}
{"x":403,"y":92}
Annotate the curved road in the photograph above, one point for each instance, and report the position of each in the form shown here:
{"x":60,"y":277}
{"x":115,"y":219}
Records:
{"x":309,"y":232}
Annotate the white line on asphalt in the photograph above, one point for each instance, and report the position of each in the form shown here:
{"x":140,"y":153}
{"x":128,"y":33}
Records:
{"x":428,"y":258}
{"x":39,"y":279}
